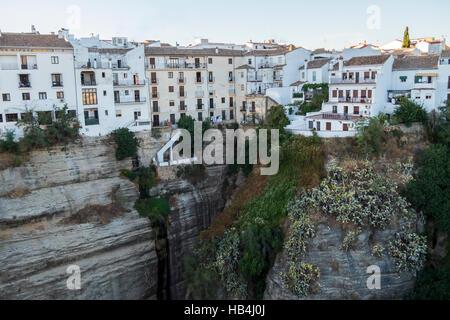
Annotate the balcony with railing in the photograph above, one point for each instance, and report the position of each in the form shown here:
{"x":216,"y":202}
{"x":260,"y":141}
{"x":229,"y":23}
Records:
{"x":128,"y":83}
{"x":199,"y":106}
{"x":338,"y":80}
{"x":180,"y":65}
{"x":29,"y":66}
{"x":24,"y":84}
{"x":354,"y":100}
{"x":91,"y":121}
{"x":130,"y":100}
{"x":121,"y":65}
{"x":182,"y":108}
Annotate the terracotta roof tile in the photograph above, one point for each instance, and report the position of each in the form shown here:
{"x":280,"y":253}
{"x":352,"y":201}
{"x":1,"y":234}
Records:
{"x":416,"y":63}
{"x":33,"y":40}
{"x":365,"y":61}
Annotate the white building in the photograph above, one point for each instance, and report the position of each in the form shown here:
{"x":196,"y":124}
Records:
{"x":358,"y":90}
{"x":196,"y":82}
{"x":414,"y":77}
{"x":36,"y":74}
{"x":111,"y":86}
{"x":443,"y":85}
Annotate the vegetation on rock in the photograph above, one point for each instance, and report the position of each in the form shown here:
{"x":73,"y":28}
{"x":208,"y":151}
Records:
{"x":127,"y":143}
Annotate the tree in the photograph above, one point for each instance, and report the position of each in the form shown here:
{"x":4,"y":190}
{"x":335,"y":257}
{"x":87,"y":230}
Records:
{"x":408,"y":112}
{"x":406,"y":40}
{"x":127,"y":143}
{"x":430,"y":190}
{"x":370,"y":136}
{"x":277,"y":118}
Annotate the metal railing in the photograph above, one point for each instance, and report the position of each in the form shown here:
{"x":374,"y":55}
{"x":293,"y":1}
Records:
{"x":91,"y":121}
{"x":355,"y":100}
{"x":130,"y":100}
{"x":128,"y":83}
{"x":24,"y":85}
{"x":351,"y":81}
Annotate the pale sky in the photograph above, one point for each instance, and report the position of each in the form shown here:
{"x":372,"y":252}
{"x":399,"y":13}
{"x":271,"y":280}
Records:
{"x":307,"y":23}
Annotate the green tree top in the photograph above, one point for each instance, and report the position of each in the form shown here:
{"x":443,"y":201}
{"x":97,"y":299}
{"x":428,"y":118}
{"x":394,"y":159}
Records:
{"x":406,"y":40}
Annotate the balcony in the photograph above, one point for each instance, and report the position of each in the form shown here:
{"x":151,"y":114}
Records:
{"x":88,"y":83}
{"x":182,"y":80}
{"x":181,"y":65}
{"x":334,"y":116}
{"x":355,"y":100}
{"x":128,"y":83}
{"x":120,"y":66}
{"x":29,"y":66}
{"x":155,"y":109}
{"x":130,"y":100}
{"x":24,"y":84}
{"x":154,"y":81}
{"x":183,"y":108}
{"x":155,"y":95}
{"x":91,"y":121}
{"x":200,"y":106}
{"x":352,"y":81}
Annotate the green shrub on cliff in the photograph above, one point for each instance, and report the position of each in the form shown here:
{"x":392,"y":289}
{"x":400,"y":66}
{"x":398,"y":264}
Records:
{"x":429,"y":191}
{"x":9,"y":143}
{"x":154,"y":209}
{"x":127,"y":143}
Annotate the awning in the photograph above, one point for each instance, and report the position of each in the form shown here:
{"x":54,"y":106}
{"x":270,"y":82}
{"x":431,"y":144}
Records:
{"x":426,"y":75}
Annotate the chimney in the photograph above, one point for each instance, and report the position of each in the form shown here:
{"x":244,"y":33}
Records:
{"x":0,"y":33}
{"x":60,"y":34}
{"x":341,"y":64}
{"x":33,"y":29}
{"x":217,"y":50}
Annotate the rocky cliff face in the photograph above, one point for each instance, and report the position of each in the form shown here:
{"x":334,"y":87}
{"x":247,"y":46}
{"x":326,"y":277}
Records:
{"x":343,"y":275}
{"x":69,"y":206}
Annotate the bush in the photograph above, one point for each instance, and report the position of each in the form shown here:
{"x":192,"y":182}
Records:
{"x":301,"y":279}
{"x":429,"y":191}
{"x":432,"y":284}
{"x":155,"y":209}
{"x":34,"y":138}
{"x":127,"y":143}
{"x":408,"y":112}
{"x":260,"y":245}
{"x":408,"y":251}
{"x":201,"y":283}
{"x":192,"y":173}
{"x":276,"y":118}
{"x":370,"y":136}
{"x":9,"y":143}
{"x":64,"y":129}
